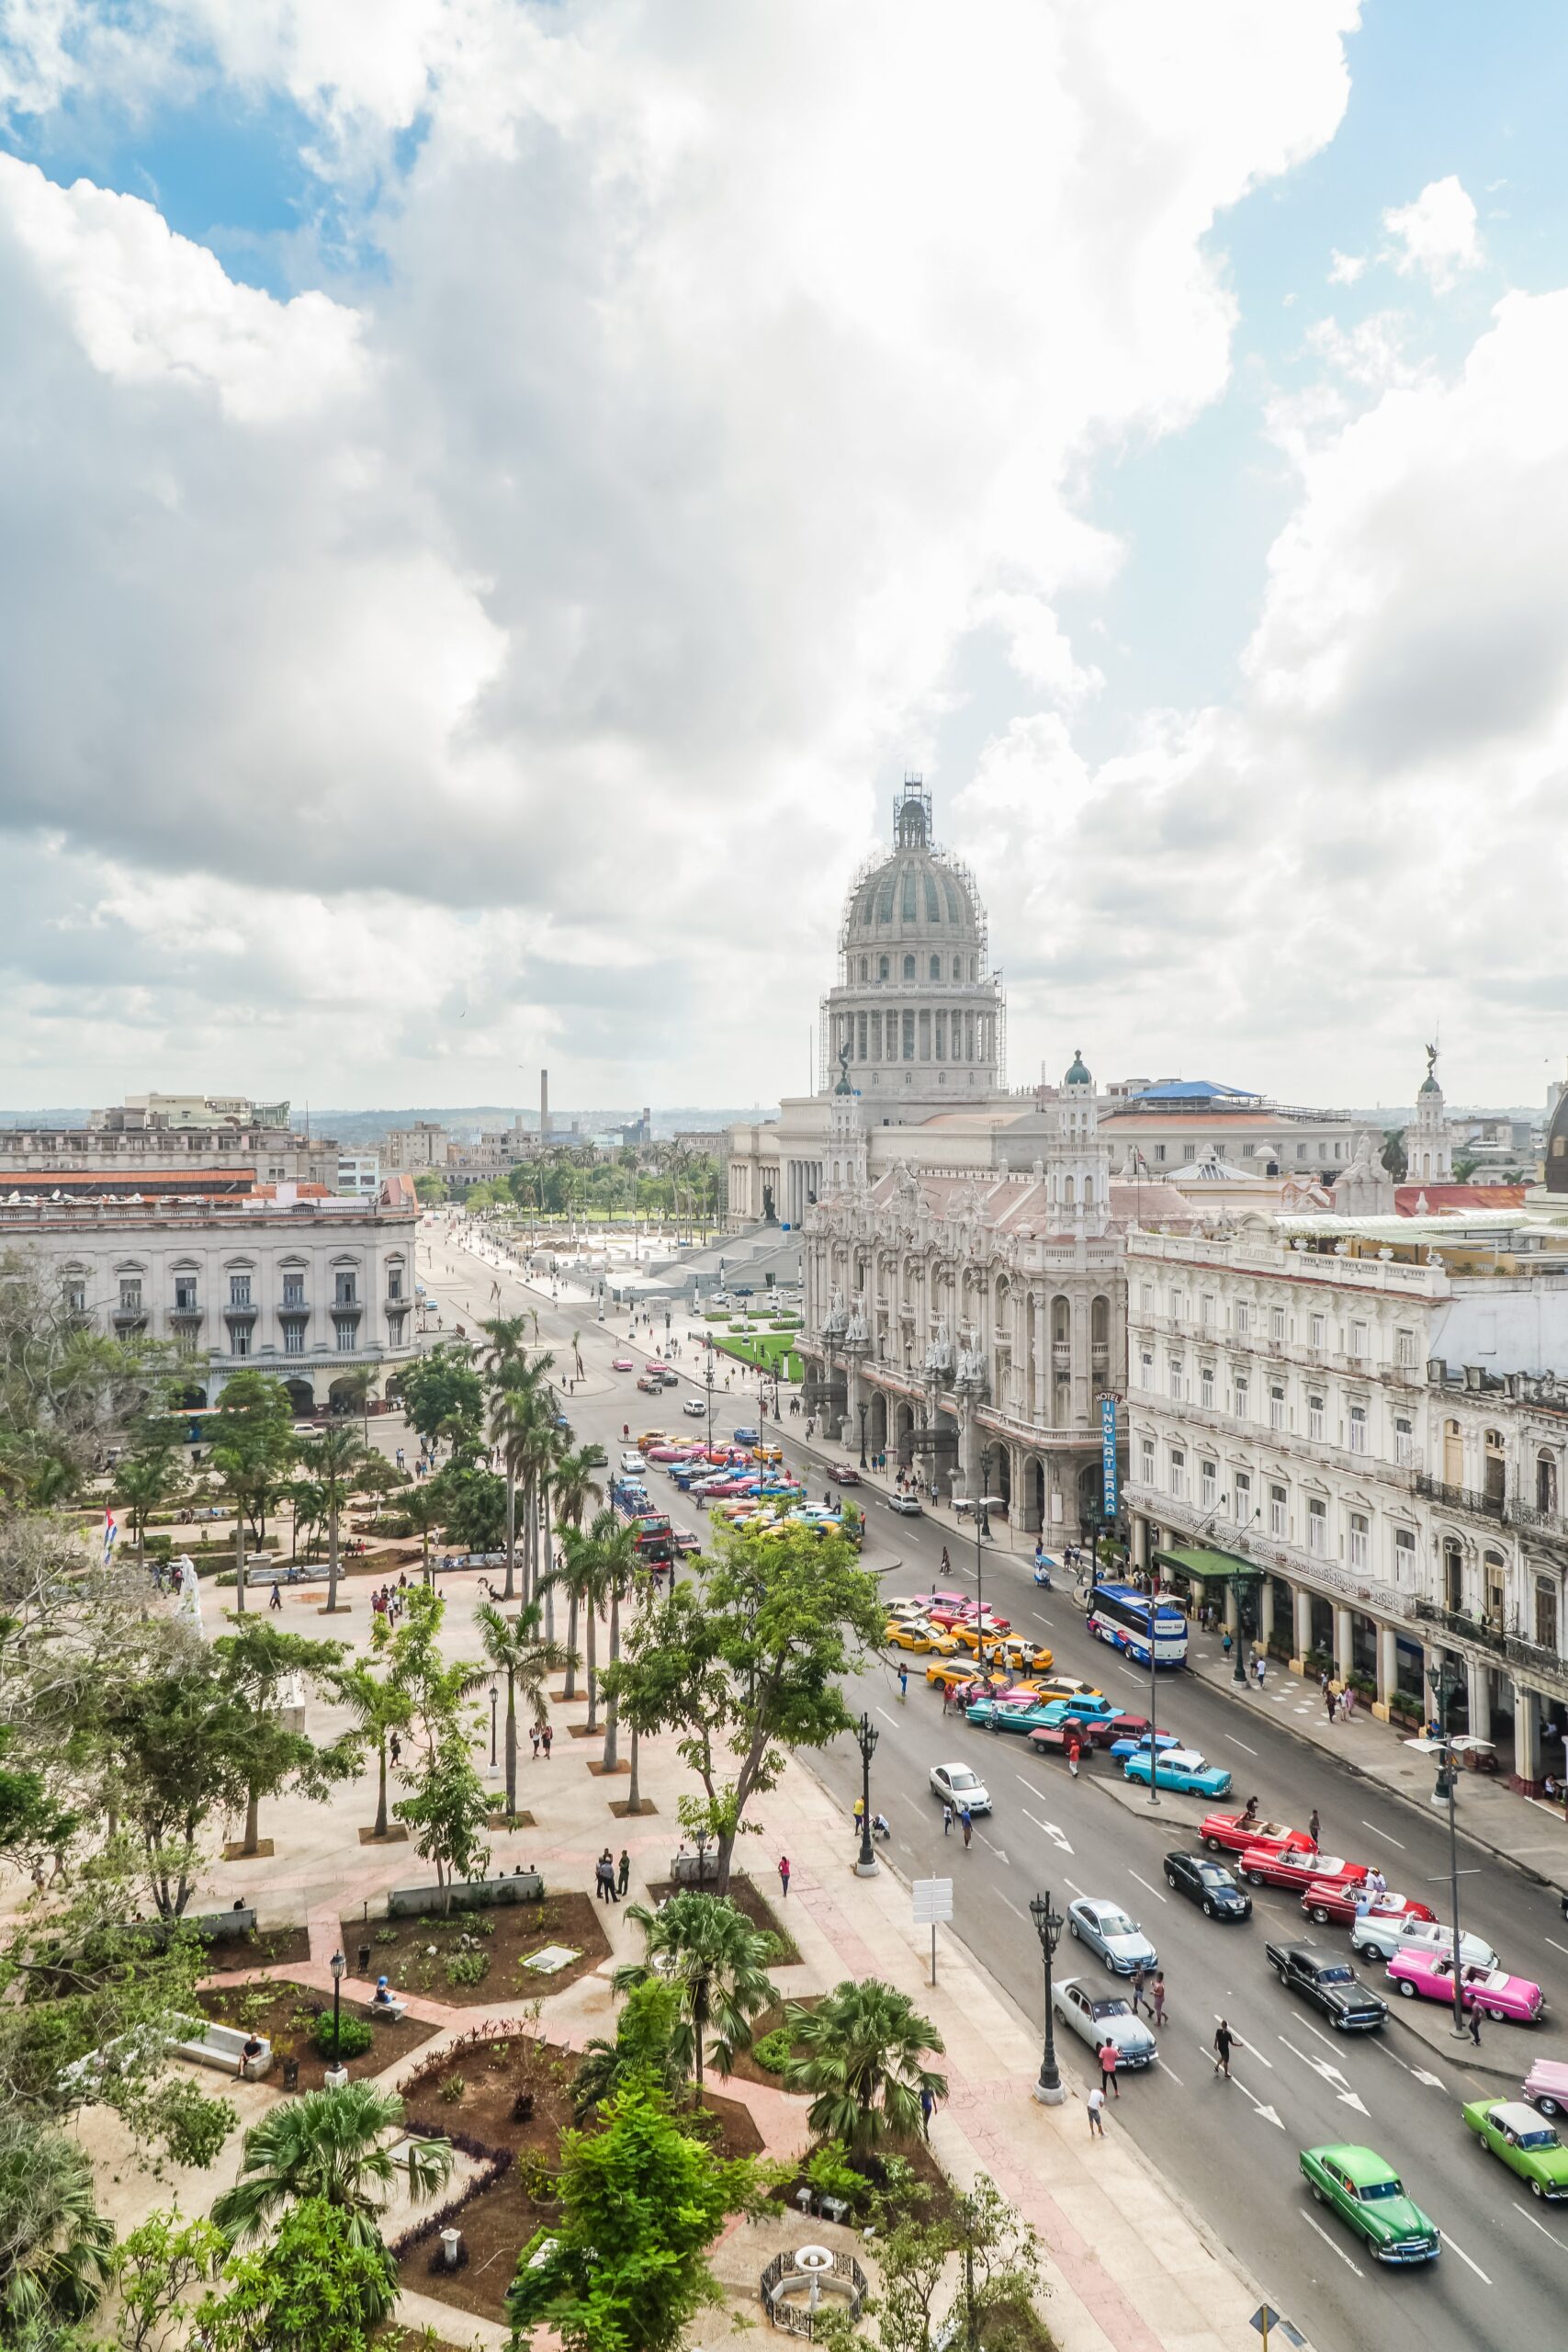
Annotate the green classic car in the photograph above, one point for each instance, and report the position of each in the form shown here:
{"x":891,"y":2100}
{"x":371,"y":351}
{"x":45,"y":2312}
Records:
{"x":1371,"y":2195}
{"x":1528,"y":2145}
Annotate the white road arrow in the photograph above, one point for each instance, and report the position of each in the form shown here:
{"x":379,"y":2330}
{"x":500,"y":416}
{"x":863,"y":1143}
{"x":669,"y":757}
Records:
{"x":999,"y":1854}
{"x":1268,"y":2114}
{"x":1049,"y":1827}
{"x":1330,"y":2074}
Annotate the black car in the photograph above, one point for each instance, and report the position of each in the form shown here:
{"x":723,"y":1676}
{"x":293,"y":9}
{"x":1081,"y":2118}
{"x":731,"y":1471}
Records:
{"x":1330,"y":1983}
{"x":1209,"y":1885}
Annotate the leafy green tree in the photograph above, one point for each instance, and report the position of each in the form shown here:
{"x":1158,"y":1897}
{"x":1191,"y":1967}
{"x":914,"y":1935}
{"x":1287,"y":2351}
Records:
{"x":156,"y":2264}
{"x":1000,"y":2279}
{"x":64,"y":1392}
{"x":253,"y":1448}
{"x":863,"y":2047}
{"x":717,"y":1963}
{"x":142,"y":1485}
{"x":470,"y":1505}
{"x":441,"y":1393}
{"x":321,"y":2286}
{"x":184,"y":1747}
{"x":581,"y":1575}
{"x":380,"y":1704}
{"x":330,"y":2145}
{"x":621,"y":1576}
{"x":625,"y":2267}
{"x":421,"y":1507}
{"x":448,"y":1809}
{"x":333,"y":1461}
{"x":644,"y":2047}
{"x":513,"y":1647}
{"x":56,"y":2248}
{"x":257,"y":1661}
{"x":431,"y":1187}
{"x":748,"y":1664}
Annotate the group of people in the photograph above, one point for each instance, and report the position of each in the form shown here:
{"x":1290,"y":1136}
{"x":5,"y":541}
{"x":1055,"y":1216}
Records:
{"x":880,"y":1825}
{"x":610,"y":1878}
{"x":1339,"y":1697}
{"x":390,"y":1599}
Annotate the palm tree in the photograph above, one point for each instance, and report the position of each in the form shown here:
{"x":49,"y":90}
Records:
{"x":863,"y":2043}
{"x":379,"y":1706}
{"x":328,"y":2145}
{"x":579,"y":1575}
{"x":423,"y":1510}
{"x":359,"y":1385}
{"x":331,"y":1460}
{"x":575,"y":1488}
{"x":142,"y":1484}
{"x":309,"y":1509}
{"x":56,"y":2248}
{"x":621,"y":1572}
{"x":514,"y":1412}
{"x":541,"y":1450}
{"x":513,"y":1647}
{"x":717,"y":1961}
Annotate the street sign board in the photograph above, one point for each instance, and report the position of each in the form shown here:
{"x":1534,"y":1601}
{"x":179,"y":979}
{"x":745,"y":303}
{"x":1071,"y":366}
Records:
{"x":1107,"y":1453}
{"x":1267,"y":2320}
{"x":933,"y":1901}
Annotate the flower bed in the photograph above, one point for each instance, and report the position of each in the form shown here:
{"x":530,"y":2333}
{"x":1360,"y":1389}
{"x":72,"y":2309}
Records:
{"x":289,"y":2016}
{"x":474,"y":1958}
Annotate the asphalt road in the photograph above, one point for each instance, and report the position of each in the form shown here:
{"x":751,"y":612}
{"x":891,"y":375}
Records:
{"x":1229,"y":2148}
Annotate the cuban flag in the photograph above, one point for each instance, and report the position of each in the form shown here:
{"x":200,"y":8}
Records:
{"x":111,"y":1532}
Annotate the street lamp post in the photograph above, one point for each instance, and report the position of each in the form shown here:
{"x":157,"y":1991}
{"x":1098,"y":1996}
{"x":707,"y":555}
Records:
{"x":866,"y":1735}
{"x":337,"y":1964}
{"x":863,"y":1462}
{"x":1048,"y":1926}
{"x":494,"y":1694}
{"x":1444,"y":1681}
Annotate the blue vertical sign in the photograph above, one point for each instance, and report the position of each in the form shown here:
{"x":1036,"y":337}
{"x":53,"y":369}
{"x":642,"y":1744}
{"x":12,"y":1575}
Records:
{"x":1107,"y":1453}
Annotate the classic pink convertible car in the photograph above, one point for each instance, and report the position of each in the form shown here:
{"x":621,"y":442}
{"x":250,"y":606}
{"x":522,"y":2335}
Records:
{"x":1491,"y":1990}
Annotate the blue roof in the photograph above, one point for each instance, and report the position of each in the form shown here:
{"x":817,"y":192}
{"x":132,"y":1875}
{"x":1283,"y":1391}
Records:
{"x":1193,"y":1089}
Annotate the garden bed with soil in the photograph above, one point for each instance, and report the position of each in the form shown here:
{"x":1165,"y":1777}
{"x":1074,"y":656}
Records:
{"x":928,"y":2175}
{"x":769,"y":2020}
{"x":752,"y":1902}
{"x":265,"y":1948}
{"x":499,"y":2222}
{"x":287,"y":2015}
{"x":487,"y":1948}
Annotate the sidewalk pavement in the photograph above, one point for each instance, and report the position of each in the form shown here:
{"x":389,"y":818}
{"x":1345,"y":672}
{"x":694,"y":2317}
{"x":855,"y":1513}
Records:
{"x":1524,"y":1830}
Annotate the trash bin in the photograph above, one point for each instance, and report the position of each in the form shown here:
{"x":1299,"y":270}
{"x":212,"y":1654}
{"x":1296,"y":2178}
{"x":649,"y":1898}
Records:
{"x":291,"y":2073}
{"x":365,"y":1960}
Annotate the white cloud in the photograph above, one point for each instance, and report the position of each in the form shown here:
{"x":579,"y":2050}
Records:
{"x":1345,"y":268}
{"x":721,"y":373}
{"x":1436,"y":236}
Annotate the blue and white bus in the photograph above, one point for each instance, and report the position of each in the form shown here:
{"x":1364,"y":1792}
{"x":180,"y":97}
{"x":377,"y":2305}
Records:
{"x":1119,"y":1613}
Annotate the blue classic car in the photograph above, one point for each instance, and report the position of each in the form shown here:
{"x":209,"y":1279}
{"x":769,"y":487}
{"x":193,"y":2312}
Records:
{"x":1123,"y":1748}
{"x":1077,"y":1711}
{"x":1180,"y":1768}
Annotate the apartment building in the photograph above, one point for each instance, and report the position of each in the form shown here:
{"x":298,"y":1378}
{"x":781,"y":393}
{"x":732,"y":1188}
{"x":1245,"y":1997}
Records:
{"x":1355,"y":1420}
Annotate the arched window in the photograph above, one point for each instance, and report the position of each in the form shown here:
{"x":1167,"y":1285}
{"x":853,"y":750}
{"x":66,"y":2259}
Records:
{"x":936,"y":967}
{"x":1453,"y":1574}
{"x":1099,"y":1323}
{"x":973,"y":968}
{"x":908,"y":967}
{"x":1088,"y":1192}
{"x":1069,"y":1193}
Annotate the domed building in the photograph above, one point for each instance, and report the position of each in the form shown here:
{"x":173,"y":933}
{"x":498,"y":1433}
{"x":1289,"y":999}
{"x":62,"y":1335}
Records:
{"x":916,"y":1015}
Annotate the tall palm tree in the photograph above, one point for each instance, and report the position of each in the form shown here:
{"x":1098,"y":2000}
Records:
{"x":423,"y":1510}
{"x":56,"y":2248}
{"x":331,"y":1460}
{"x":515,"y":1410}
{"x":621,"y":1574}
{"x":865,"y":2044}
{"x":541,"y":1450}
{"x":717,"y":1961}
{"x":581,"y":1575}
{"x":359,"y":1385}
{"x":513,"y":1646}
{"x":328,"y":2145}
{"x":379,"y":1706}
{"x":143,"y":1483}
{"x":575,"y":1488}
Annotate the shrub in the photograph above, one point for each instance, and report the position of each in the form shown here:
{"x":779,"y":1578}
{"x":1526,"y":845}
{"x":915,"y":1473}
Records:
{"x":453,"y":2089}
{"x":467,"y":1967}
{"x":774,"y":2052}
{"x":353,"y":2037}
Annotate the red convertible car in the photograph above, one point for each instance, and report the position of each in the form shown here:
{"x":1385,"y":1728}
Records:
{"x":1332,"y":1903}
{"x":1232,"y":1832}
{"x":1294,"y":1867}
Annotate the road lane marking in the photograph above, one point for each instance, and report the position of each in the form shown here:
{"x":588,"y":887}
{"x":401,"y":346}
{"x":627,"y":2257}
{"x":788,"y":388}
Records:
{"x":1010,"y":1905}
{"x":1143,"y":1881}
{"x":1541,"y":2225}
{"x":886,"y":1717}
{"x":1465,"y":2257}
{"x":1049,"y":1827}
{"x":1238,"y":1743}
{"x":1555,"y":1945}
{"x":1380,"y":1833}
{"x":1328,"y":2242}
{"x":1171,"y":2073}
{"x":995,"y":1849}
{"x":1330,"y":2074}
{"x":1269,"y":2113}
{"x":1077,"y":1890}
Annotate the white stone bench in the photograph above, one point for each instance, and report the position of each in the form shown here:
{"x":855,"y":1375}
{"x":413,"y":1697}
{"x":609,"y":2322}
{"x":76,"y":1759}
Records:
{"x":223,"y":2046}
{"x":393,"y":2011}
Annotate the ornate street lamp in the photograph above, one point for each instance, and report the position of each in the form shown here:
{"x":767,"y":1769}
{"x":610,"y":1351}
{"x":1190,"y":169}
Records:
{"x":863,"y":1462}
{"x":866,"y":1736}
{"x":337,"y":1964}
{"x":1444,"y":1680}
{"x":1048,"y":1926}
{"x":494,"y":1694}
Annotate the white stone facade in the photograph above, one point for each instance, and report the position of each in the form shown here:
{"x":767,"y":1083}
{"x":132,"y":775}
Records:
{"x":306,"y":1289}
{"x":1356,"y":1411}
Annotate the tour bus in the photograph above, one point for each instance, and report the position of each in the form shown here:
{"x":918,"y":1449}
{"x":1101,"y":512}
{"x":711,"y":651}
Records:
{"x":1119,"y":1613}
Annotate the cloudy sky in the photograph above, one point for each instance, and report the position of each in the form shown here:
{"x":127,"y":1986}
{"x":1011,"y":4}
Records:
{"x":495,"y":495}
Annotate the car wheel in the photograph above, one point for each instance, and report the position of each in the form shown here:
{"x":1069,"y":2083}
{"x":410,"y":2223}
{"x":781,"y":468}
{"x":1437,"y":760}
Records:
{"x":1535,"y":2188}
{"x":1208,"y":1908}
{"x":1407,"y":1987}
{"x":1282,"y":1976}
{"x":1256,"y":1878}
{"x":1546,"y":2106}
{"x":1213,"y":1844}
{"x":1316,"y":2192}
{"x":1498,"y":2017}
{"x":1110,"y":1963}
{"x":1483,"y":2143}
{"x":1072,"y":1929}
{"x":1170,"y":1878}
{"x":1320,"y":1913}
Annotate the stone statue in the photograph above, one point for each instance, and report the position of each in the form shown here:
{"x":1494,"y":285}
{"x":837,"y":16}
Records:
{"x":190,"y":1591}
{"x":938,"y":1354}
{"x":843,"y":1087}
{"x":971,"y":1368}
{"x":858,"y":1330}
{"x":1432,"y":1064}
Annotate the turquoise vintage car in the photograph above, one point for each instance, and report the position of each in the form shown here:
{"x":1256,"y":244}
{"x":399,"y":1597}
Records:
{"x":999,"y":1714}
{"x":1182,"y":1769}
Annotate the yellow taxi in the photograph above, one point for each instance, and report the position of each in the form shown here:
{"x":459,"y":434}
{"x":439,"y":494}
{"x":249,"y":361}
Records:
{"x":767,"y":1454}
{"x":1063,"y":1686}
{"x":1019,"y":1655}
{"x":900,"y":1633}
{"x":944,"y":1675}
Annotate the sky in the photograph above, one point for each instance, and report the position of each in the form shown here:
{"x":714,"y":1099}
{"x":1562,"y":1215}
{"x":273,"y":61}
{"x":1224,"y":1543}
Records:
{"x":497,"y":495}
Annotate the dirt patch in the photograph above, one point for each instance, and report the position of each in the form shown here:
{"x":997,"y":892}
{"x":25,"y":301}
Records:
{"x":766,"y":2021}
{"x":622,"y":1807}
{"x":753,"y":1904}
{"x":397,"y":1835}
{"x":491,"y":1946}
{"x":265,"y":1948}
{"x":499,"y":2222}
{"x":939,"y":2201}
{"x":287,"y":2014}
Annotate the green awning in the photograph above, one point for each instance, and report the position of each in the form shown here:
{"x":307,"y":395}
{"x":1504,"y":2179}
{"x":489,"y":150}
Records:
{"x":1216,"y":1567}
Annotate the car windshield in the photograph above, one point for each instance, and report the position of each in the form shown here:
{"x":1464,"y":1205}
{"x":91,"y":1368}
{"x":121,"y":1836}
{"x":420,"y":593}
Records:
{"x":1112,"y":2010}
{"x":964,"y":1779}
{"x":1212,"y":1875}
{"x":1335,"y":1976}
{"x":1537,"y":2140}
{"x":1116,"y":1923}
{"x":1381,"y":2190}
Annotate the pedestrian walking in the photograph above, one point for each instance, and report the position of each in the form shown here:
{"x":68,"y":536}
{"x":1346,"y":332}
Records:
{"x":603,"y":1877}
{"x":545,"y":1735}
{"x":967,"y":1823}
{"x":1225,"y":1644}
{"x":946,"y":1820}
{"x":1074,"y":1752}
{"x":1475,"y":2023}
{"x":1140,"y":1980}
{"x":625,"y":1872}
{"x":396,"y":1746}
{"x":903,"y":1683}
{"x":534,"y":1735}
{"x":784,"y":1875}
{"x":1225,"y":2042}
{"x":1156,"y":1998}
{"x":1106,"y":2054}
{"x":1312,"y":1828}
{"x":1328,"y":1697}
{"x":928,"y":2109}
{"x":1096,"y":2103}
{"x":860,"y":1814}
{"x":277,"y":1600}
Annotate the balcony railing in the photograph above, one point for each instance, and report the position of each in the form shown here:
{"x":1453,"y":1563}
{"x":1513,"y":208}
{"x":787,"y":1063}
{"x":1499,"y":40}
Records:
{"x":1519,"y":1511}
{"x":1470,"y":1498}
{"x":1489,"y":1634}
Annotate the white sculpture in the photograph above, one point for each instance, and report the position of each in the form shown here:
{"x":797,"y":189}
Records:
{"x":189,"y":1591}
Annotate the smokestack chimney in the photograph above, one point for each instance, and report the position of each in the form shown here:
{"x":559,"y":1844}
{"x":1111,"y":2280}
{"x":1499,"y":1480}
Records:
{"x":544,"y":1104}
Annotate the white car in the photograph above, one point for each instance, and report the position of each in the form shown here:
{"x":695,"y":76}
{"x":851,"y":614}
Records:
{"x":1381,"y":1939}
{"x":958,"y":1787}
{"x":695,"y":1408}
{"x":1105,"y":1926}
{"x":907,"y":1506}
{"x":900,"y":1606}
{"x":1100,"y":2018}
{"x":632,"y":1465}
